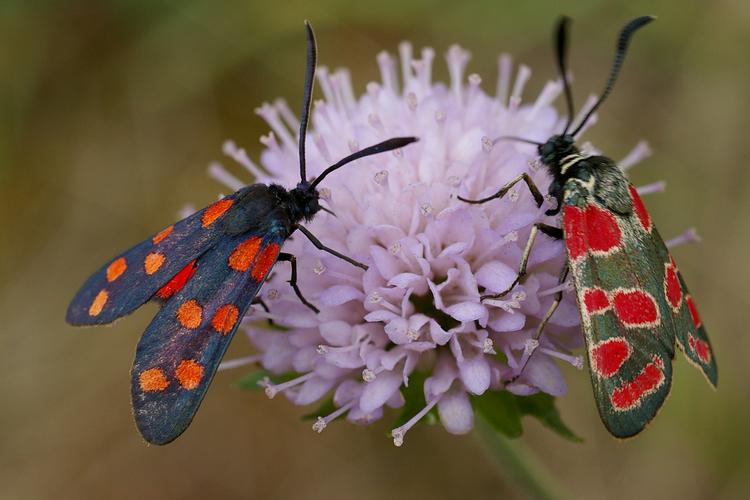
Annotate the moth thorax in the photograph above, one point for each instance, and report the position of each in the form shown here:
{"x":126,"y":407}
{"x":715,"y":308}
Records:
{"x":303,"y":202}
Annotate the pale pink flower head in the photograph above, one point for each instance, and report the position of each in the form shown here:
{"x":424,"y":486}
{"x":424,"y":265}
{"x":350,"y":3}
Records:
{"x":415,"y":316}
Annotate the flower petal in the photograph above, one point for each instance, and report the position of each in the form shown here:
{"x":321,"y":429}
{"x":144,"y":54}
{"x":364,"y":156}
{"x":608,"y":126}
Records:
{"x":380,"y":390}
{"x":455,"y":411}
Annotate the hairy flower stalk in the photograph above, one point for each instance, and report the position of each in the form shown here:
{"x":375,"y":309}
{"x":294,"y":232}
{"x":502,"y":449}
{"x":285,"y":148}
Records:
{"x":430,"y":256}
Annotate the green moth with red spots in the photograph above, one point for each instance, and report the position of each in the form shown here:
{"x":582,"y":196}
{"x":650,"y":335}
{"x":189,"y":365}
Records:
{"x":633,"y":301}
{"x":205,"y":271}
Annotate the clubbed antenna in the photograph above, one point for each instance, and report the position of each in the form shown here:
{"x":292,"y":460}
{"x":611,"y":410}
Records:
{"x":381,"y":147}
{"x":622,"y":45}
{"x":312,"y":57}
{"x":562,"y":54}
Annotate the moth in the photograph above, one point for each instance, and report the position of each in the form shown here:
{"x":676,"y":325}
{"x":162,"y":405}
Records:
{"x":205,"y":271}
{"x":633,"y":301}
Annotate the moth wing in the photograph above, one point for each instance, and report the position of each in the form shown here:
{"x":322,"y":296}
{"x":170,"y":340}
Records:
{"x":131,"y":279}
{"x":180,"y":350}
{"x":617,"y":265}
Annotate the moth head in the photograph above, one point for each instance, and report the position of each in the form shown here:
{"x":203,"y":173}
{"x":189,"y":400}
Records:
{"x":556,"y":148}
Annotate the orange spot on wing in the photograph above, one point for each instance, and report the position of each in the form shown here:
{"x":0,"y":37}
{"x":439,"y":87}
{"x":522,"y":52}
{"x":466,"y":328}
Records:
{"x":116,"y":269}
{"x":176,"y":283}
{"x":190,"y":314}
{"x":153,"y":380}
{"x":243,"y":255}
{"x":215,"y":211}
{"x":98,"y":303}
{"x":265,"y":261}
{"x":225,"y":318}
{"x":163,"y":235}
{"x":153,"y":262}
{"x":189,"y":373}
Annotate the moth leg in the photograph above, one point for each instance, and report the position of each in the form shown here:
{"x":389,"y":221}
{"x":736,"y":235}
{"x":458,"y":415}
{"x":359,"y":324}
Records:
{"x":315,"y":241}
{"x":546,"y":318}
{"x":551,"y":231}
{"x":504,"y":190}
{"x":259,"y":301}
{"x":287,"y":257}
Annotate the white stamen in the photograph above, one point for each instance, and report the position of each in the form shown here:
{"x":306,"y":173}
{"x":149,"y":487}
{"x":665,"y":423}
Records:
{"x":368,"y":375}
{"x":381,"y":177}
{"x":511,"y":236}
{"x":576,"y":361}
{"x":325,"y":193}
{"x":457,"y":59}
{"x":565,"y":287}
{"x":486,"y":144}
{"x":425,"y":209}
{"x":394,"y":248}
{"x":234,"y":363}
{"x":398,"y":433}
{"x":412,"y":335}
{"x":689,"y":236}
{"x":272,"y":390}
{"x":439,"y":116}
{"x":322,"y":422}
{"x":411,"y":101}
{"x":240,"y":156}
{"x":454,"y":181}
{"x":534,"y":164}
{"x":319,"y":268}
{"x":504,"y":69}
{"x":273,"y":294}
{"x":322,"y":350}
{"x":374,"y":297}
{"x":640,"y":152}
{"x":519,"y":296}
{"x":654,"y":187}
{"x":475,"y":79}
{"x":217,"y":172}
{"x":353,"y":145}
{"x":489,"y":346}
{"x":513,"y":195}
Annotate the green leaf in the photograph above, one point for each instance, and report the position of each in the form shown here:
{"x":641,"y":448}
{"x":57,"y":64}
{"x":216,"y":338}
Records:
{"x":500,"y":410}
{"x":542,"y":406}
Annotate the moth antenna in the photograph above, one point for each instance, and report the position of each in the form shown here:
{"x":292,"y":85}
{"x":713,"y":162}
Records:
{"x":381,"y":147}
{"x":312,"y":59}
{"x":562,"y":54}
{"x":514,"y":138}
{"x":622,"y":45}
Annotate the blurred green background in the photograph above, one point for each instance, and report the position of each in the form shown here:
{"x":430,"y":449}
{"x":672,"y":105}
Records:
{"x":110,"y":112}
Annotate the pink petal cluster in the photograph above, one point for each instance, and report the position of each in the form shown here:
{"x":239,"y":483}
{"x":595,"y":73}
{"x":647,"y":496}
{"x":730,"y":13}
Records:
{"x":430,"y":255}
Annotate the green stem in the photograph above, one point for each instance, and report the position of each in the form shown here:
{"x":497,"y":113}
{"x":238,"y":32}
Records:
{"x":518,"y":466}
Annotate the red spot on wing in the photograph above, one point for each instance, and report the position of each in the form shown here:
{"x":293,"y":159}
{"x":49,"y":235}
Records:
{"x":189,"y":373}
{"x":97,"y":305}
{"x":175,"y":284}
{"x":603,"y":232}
{"x":635,"y":308}
{"x":153,"y":380}
{"x":243,"y":255}
{"x":153,"y":262}
{"x":215,"y":211}
{"x":162,"y":235}
{"x":574,"y":226}
{"x":595,"y":299}
{"x":672,"y":287}
{"x":700,"y":348}
{"x":116,"y":268}
{"x":608,"y":356}
{"x":640,"y":209}
{"x":265,"y":261}
{"x":632,"y":393}
{"x":693,"y":312}
{"x":190,"y":314}
{"x":225,"y":318}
